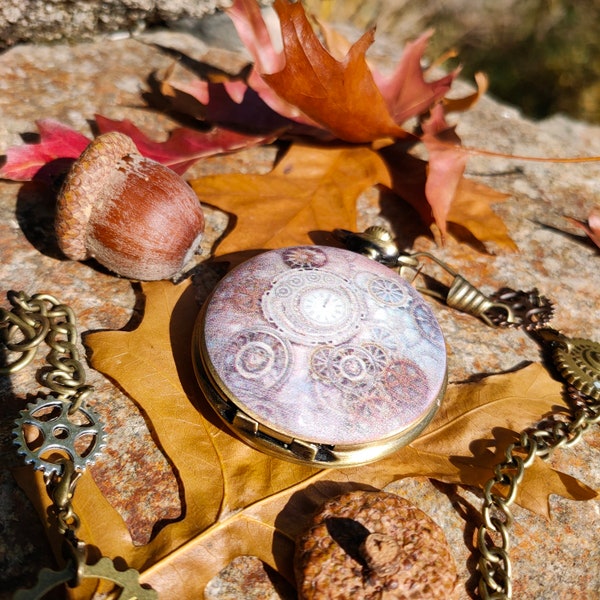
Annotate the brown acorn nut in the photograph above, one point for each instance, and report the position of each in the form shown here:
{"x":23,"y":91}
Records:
{"x":373,"y":546}
{"x":135,"y":216}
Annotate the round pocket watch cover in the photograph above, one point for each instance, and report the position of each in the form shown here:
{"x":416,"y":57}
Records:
{"x":320,"y":355}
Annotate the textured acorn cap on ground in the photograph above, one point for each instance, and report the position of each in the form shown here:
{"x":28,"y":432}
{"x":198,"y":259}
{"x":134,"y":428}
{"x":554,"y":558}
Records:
{"x":84,"y":184}
{"x":373,"y":546}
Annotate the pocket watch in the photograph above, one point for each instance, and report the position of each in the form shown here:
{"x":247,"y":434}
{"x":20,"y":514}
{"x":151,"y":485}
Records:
{"x":320,"y":355}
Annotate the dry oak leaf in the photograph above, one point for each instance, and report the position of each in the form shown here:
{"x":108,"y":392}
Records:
{"x":312,"y":189}
{"x":237,"y":500}
{"x":471,"y":208}
{"x":341,"y":96}
{"x":267,"y":529}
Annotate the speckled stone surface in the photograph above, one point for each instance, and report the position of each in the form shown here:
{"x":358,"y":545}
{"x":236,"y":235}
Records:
{"x":55,"y":20}
{"x":558,"y":558}
{"x":249,"y":574}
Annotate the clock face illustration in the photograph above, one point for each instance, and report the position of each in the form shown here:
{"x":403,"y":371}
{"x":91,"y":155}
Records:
{"x":324,"y":306}
{"x":313,"y":307}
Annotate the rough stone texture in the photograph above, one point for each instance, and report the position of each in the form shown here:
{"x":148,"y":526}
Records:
{"x":249,"y":574}
{"x":72,"y":82}
{"x":54,"y":20}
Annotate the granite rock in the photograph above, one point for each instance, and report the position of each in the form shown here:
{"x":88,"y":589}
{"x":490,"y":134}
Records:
{"x":55,"y":20}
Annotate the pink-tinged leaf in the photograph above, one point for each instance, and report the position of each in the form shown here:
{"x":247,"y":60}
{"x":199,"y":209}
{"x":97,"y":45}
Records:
{"x":447,"y":161}
{"x":405,"y":91}
{"x":592,"y":226}
{"x":57,"y":141}
{"x":471,"y":207}
{"x":256,"y":37}
{"x":233,"y":104}
{"x":184,"y":146}
{"x":254,"y":33}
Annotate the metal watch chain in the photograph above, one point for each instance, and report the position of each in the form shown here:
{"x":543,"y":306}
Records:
{"x":577,"y":360}
{"x":58,"y":434}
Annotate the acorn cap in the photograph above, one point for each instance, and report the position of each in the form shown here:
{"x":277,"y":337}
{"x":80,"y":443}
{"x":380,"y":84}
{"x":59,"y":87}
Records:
{"x":82,"y":187}
{"x":373,"y":546}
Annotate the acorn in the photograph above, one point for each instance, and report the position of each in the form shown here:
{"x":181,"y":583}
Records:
{"x":373,"y":545}
{"x":133,"y":215}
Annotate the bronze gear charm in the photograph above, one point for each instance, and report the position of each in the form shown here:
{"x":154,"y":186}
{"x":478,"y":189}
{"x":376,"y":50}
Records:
{"x":61,"y":435}
{"x":128,"y":581}
{"x":578,"y":361}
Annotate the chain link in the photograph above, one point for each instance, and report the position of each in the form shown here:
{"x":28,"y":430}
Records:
{"x":42,"y":318}
{"x":32,"y":321}
{"x":500,"y":491}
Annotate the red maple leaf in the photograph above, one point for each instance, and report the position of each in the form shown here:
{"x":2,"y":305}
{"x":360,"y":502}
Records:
{"x":184,"y":145}
{"x":57,"y":141}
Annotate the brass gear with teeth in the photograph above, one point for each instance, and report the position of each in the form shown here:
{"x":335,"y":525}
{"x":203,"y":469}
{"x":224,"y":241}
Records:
{"x":578,"y":361}
{"x":127,"y":580}
{"x":60,"y":434}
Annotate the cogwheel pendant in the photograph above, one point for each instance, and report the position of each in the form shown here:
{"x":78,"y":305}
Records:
{"x":578,"y":361}
{"x":128,"y":581}
{"x":46,"y":434}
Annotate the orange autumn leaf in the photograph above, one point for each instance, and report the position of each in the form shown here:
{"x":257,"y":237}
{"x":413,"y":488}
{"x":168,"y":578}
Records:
{"x":472,"y":210}
{"x":340,"y":95}
{"x":241,"y":501}
{"x":315,"y":189}
{"x":311,"y":190}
